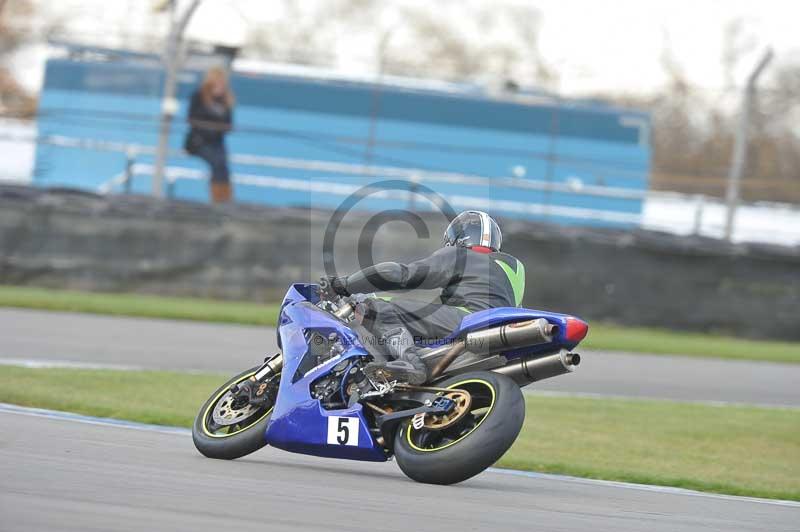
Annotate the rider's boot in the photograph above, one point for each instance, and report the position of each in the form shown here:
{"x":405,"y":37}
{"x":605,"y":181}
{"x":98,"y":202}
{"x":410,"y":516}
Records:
{"x":406,"y":367}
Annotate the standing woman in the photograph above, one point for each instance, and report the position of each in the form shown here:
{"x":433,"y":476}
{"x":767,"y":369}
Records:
{"x":210,"y":118}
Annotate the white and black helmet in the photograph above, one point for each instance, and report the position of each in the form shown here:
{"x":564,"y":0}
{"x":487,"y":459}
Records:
{"x":473,"y":229}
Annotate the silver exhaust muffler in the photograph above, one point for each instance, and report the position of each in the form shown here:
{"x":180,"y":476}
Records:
{"x":513,"y":335}
{"x":528,"y":370}
{"x":490,"y":341}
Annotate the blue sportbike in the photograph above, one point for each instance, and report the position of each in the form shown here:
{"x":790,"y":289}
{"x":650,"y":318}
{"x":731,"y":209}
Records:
{"x":313,"y":397}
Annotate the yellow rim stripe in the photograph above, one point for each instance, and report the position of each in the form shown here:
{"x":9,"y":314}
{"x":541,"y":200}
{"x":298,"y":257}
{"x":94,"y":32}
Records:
{"x":212,"y":403}
{"x":491,"y":406}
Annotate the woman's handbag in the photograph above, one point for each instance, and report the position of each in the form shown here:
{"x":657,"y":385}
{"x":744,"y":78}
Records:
{"x":192,"y":142}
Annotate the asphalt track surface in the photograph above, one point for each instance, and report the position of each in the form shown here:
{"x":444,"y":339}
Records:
{"x":28,"y":335}
{"x":67,"y":475}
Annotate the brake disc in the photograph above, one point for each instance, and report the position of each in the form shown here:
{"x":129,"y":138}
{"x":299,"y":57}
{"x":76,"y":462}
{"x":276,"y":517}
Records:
{"x":225,"y":414}
{"x":462,"y":400}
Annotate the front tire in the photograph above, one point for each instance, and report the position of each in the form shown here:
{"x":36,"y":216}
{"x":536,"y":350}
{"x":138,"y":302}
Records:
{"x":233,"y":440}
{"x":462,"y":451}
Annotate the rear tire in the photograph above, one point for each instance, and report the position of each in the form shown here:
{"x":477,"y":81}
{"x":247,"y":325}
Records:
{"x":244,"y":438}
{"x":430,"y":457}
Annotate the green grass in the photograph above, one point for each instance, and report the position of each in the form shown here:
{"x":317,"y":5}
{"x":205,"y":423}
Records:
{"x":732,"y":449}
{"x":178,"y":308}
{"x":601,"y":336}
{"x":660,"y":341}
{"x":158,"y":397}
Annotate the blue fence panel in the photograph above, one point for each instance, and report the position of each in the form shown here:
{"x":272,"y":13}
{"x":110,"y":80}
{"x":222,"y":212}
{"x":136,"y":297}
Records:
{"x":559,"y":142}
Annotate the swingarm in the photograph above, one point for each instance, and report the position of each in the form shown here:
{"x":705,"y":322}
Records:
{"x":438,"y":408}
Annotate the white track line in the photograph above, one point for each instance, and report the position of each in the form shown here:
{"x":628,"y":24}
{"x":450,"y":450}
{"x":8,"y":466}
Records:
{"x":6,"y":408}
{"x":65,"y":364}
{"x":73,"y":364}
{"x":645,"y":487}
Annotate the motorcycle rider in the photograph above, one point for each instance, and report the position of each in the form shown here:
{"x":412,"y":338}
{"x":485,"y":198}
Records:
{"x":472,"y":273}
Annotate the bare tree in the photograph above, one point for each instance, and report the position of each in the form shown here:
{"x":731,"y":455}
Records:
{"x":433,"y":48}
{"x":14,"y":100}
{"x":692,"y":127}
{"x":310,"y":35}
{"x":776,"y":142}
{"x":527,"y":23}
{"x":12,"y":13}
{"x":693,"y":132}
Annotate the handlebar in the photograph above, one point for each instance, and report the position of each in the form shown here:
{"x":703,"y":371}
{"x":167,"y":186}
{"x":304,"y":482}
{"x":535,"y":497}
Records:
{"x":345,"y":310}
{"x":344,"y":307}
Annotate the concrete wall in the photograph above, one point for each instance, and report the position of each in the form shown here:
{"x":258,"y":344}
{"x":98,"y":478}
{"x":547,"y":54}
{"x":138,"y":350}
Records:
{"x":75,"y":240}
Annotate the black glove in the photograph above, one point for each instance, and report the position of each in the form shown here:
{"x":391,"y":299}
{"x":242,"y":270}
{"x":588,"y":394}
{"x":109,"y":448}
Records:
{"x":334,"y":285}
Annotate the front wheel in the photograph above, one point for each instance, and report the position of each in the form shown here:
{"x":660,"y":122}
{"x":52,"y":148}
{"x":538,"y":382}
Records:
{"x":480,"y":437}
{"x":225,"y":429}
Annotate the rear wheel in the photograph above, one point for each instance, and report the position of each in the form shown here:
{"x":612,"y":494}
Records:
{"x":227,"y":428}
{"x":477,"y":440}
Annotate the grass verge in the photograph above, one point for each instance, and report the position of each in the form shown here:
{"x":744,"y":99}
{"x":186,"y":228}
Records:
{"x":665,"y":342}
{"x":725,"y":449}
{"x":177,"y":308}
{"x":601,"y":336}
{"x":732,"y":449}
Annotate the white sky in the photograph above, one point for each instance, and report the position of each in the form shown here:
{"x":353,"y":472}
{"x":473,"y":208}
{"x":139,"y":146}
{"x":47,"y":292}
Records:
{"x":593,"y":45}
{"x":618,"y":44}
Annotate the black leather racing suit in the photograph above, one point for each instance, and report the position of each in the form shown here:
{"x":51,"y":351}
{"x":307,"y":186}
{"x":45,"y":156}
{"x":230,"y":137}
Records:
{"x":469,"y":281}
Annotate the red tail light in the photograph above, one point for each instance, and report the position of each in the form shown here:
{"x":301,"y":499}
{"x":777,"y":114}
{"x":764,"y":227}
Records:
{"x":576,"y":330}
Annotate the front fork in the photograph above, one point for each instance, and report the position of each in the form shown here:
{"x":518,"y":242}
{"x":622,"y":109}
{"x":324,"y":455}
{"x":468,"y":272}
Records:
{"x":272,"y":366}
{"x":253,"y":390}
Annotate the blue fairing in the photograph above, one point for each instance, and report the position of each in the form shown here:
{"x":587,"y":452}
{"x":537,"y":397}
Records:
{"x":301,"y":292}
{"x":300,"y":424}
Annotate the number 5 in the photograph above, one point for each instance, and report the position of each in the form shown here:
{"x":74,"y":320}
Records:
{"x":343,"y":430}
